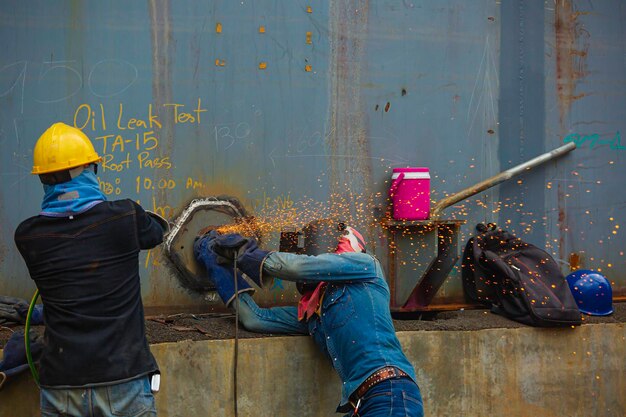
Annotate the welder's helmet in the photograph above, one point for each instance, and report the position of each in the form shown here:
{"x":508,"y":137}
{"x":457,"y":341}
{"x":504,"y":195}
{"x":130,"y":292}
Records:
{"x":327,"y":236}
{"x":592,"y":292}
{"x":350,"y":241}
{"x":331,"y":236}
{"x":60,"y":149}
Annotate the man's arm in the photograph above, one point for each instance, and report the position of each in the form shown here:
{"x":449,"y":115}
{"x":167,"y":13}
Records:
{"x":326,"y":267}
{"x":258,"y":264}
{"x":268,"y":320}
{"x":251,"y":316}
{"x":149,"y":231}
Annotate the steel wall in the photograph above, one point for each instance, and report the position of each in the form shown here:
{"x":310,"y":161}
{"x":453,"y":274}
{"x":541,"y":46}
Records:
{"x":302,"y":108}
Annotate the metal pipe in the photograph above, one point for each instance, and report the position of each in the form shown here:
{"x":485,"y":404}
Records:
{"x":497,"y":179}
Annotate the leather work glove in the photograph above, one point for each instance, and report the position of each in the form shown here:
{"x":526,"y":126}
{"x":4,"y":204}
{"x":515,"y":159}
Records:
{"x":227,"y":246}
{"x":14,"y":359}
{"x":204,"y":242}
{"x":249,"y":257}
{"x":218,"y":275}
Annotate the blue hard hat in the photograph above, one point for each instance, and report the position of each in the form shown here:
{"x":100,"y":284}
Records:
{"x":592,"y":292}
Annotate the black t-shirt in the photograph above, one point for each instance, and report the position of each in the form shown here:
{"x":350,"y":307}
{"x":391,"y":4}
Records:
{"x":87,"y":270}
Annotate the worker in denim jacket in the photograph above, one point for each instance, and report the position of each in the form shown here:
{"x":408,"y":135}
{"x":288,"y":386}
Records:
{"x":344,"y":307}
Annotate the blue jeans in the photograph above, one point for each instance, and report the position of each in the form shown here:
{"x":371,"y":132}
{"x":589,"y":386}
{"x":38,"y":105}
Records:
{"x":128,"y":399}
{"x":392,"y":398}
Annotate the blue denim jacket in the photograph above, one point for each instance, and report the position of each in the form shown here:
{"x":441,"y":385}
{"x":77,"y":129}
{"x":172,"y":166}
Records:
{"x":355,"y":329}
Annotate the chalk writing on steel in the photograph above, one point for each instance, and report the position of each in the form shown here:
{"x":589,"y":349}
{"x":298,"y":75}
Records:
{"x":279,"y":202}
{"x":86,"y":117}
{"x":138,"y":134}
{"x":130,"y":140}
{"x":119,"y":62}
{"x":21,"y":75}
{"x":147,"y":183}
{"x":312,"y":140}
{"x":229,"y":133}
{"x":67,"y":68}
{"x":46,"y":70}
{"x":110,"y":187}
{"x":594,"y":139}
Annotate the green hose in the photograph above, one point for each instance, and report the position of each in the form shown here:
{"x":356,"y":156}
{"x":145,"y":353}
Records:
{"x":29,"y":357}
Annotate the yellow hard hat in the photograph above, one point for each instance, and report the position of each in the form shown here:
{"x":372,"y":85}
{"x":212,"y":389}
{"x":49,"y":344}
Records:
{"x":62,"y":147}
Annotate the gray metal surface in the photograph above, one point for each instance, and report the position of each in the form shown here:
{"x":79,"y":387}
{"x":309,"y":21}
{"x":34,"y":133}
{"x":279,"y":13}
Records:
{"x":301,"y":110}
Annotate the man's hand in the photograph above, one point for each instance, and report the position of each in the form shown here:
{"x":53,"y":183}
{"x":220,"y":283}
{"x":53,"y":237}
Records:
{"x":245,"y":250}
{"x":218,"y":275}
{"x":204,"y":242}
{"x":230,"y":246}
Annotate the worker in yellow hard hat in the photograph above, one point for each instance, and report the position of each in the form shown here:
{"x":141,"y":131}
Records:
{"x":61,"y":150}
{"x":82,"y":251}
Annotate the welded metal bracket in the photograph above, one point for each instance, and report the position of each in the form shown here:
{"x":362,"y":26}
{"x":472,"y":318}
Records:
{"x":411,"y":291}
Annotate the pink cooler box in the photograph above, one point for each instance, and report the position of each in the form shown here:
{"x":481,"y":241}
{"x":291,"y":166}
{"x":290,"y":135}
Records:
{"x":410,"y":193}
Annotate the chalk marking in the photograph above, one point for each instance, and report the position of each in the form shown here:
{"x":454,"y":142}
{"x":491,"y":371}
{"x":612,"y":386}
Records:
{"x":61,"y":65}
{"x":117,"y":92}
{"x":23,"y":75}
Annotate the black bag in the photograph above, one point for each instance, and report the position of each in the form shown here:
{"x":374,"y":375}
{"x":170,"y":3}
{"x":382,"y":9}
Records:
{"x":517,"y":280}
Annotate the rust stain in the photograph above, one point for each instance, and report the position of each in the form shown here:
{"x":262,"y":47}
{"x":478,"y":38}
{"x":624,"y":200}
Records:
{"x":162,"y":51}
{"x":572,"y":46}
{"x":160,"y":283}
{"x":351,"y":170}
{"x":572,"y":49}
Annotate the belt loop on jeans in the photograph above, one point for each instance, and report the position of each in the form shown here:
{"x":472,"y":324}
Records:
{"x":380,"y":375}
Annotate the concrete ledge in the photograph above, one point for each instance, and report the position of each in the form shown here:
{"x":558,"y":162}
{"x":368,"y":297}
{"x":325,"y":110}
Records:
{"x":499,"y":372}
